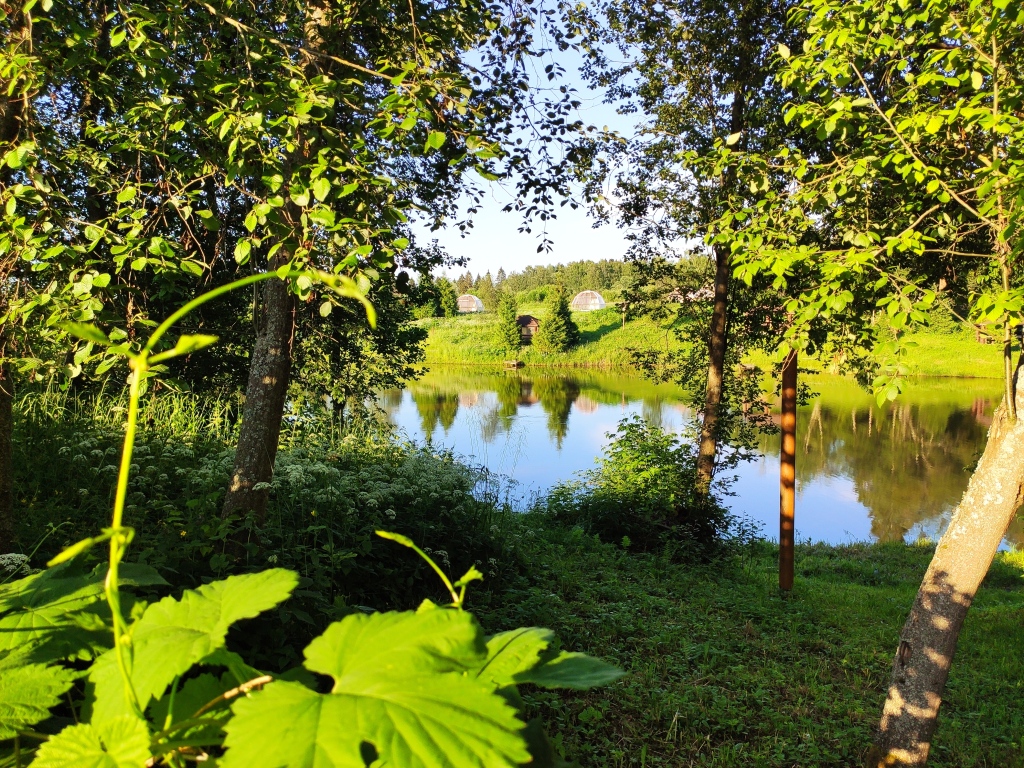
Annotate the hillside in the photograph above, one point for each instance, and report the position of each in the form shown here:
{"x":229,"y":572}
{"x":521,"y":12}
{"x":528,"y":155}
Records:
{"x":607,"y":343}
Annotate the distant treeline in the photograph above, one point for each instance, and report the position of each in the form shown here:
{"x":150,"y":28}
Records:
{"x":533,"y":283}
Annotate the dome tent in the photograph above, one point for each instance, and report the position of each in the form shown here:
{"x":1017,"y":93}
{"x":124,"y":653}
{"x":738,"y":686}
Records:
{"x":470,"y":303}
{"x":587,"y":301}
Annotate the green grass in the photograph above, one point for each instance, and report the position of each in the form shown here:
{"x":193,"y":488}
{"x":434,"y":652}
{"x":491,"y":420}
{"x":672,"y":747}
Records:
{"x":724,"y":671}
{"x":954,"y":355}
{"x":607,"y":343}
{"x":605,"y":340}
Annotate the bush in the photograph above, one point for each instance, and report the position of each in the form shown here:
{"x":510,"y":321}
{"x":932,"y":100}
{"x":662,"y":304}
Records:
{"x":643,"y":493}
{"x":328,"y":496}
{"x":558,"y":332}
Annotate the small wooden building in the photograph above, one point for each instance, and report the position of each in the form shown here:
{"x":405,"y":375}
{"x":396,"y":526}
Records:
{"x":587,"y":301}
{"x":528,"y":325}
{"x":467,"y":302}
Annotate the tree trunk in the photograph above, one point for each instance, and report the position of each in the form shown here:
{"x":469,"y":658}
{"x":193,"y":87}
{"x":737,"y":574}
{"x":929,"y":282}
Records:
{"x":265,"y":394}
{"x":717,"y":338}
{"x":12,"y":112}
{"x":787,"y":475}
{"x":7,"y":539}
{"x":961,"y":560}
{"x":270,"y":367}
{"x":716,"y":373}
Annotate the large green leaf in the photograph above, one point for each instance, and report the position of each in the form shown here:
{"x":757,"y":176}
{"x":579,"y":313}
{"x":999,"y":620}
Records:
{"x":27,"y":693}
{"x":401,"y":695}
{"x":513,"y":652}
{"x":571,"y":670}
{"x":120,"y":743}
{"x":173,"y":635}
{"x":63,"y":608}
{"x":531,"y":655}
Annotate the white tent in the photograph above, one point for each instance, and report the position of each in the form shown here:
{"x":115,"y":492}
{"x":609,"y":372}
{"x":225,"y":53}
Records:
{"x":587,"y":301}
{"x":470,"y":303}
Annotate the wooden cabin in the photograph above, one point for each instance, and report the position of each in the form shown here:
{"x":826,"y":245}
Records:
{"x":528,"y":325}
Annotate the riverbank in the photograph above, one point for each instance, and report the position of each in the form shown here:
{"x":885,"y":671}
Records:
{"x":468,"y":339}
{"x":606,"y":341}
{"x":723,"y":670}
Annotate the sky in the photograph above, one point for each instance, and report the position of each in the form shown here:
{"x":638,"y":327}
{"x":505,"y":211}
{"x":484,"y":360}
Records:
{"x":494,"y":241}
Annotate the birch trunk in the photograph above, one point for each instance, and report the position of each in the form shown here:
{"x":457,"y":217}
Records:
{"x":961,"y":560}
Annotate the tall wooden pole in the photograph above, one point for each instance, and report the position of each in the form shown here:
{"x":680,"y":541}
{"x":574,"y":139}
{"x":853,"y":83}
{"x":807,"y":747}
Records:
{"x":787,"y":474}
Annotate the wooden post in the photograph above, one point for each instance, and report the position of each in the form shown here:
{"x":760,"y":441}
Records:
{"x":787,"y":474}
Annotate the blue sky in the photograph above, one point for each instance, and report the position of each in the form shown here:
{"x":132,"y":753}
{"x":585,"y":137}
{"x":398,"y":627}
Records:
{"x":495,"y":242}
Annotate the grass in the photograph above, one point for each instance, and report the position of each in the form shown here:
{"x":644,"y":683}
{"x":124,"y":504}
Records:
{"x":607,"y":343}
{"x":725,"y":671}
{"x":605,"y":340}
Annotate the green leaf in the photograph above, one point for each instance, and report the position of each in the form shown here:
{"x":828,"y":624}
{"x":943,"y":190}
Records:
{"x":321,"y":188}
{"x":977,"y":80}
{"x":784,"y":51}
{"x":193,"y":694}
{"x":434,"y":140}
{"x":126,"y":194}
{"x":400,"y":696}
{"x":87,"y":332}
{"x":242,"y":249}
{"x":732,"y":138}
{"x":186,"y":345}
{"x":27,"y":693}
{"x":117,"y":37}
{"x":121,"y":743}
{"x":172,"y":635}
{"x":47,"y":608}
{"x":513,"y":653}
{"x":571,"y":670}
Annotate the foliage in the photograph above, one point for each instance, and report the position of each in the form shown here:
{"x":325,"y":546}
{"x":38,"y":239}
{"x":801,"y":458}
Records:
{"x":643,"y":492}
{"x":331,"y":490}
{"x":426,"y":688}
{"x":558,"y":332}
{"x":534,"y":282}
{"x":447,"y":298}
{"x":507,"y":335}
{"x":921,"y":182}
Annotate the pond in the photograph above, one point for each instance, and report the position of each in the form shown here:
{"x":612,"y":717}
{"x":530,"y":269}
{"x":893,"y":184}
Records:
{"x":864,"y":472}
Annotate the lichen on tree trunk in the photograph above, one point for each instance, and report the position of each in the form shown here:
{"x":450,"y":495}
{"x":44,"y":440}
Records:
{"x":265,"y":393}
{"x":962,"y":558}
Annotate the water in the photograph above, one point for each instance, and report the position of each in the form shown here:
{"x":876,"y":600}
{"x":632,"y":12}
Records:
{"x":864,"y":472}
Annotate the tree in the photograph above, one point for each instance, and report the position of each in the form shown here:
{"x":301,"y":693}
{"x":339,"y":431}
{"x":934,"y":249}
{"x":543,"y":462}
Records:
{"x":702,"y":71}
{"x":558,"y":332}
{"x":921,"y":107}
{"x":507,"y":336}
{"x":447,"y":297}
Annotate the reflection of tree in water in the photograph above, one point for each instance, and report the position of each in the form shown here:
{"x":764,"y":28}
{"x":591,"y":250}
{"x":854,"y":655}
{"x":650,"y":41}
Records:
{"x":435,"y":408}
{"x":556,"y":395}
{"x":654,"y":412}
{"x":909,"y":463}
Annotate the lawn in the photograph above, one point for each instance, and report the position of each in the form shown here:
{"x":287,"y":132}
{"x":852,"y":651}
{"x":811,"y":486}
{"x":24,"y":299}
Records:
{"x":726,"y":671}
{"x":607,"y":342}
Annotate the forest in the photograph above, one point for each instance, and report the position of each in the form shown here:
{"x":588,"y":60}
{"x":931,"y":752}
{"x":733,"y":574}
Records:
{"x":221,"y":281}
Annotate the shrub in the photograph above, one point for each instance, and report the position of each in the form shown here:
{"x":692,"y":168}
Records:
{"x":643,"y":490}
{"x":557,"y":332}
{"x":507,"y":336}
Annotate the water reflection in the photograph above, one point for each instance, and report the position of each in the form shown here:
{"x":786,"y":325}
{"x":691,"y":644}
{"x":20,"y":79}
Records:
{"x":863,"y":471}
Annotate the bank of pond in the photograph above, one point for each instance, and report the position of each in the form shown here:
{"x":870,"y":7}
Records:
{"x":722,"y":670}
